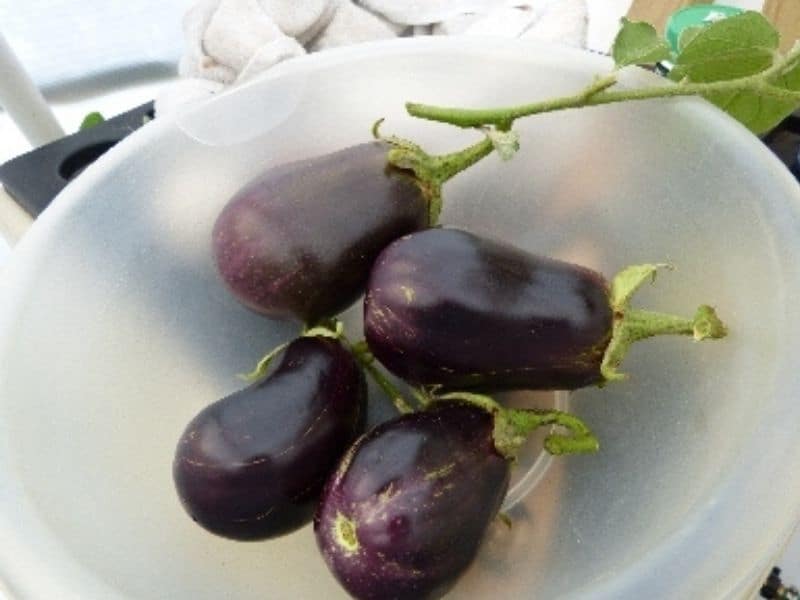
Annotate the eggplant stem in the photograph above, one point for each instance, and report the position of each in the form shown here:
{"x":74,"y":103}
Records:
{"x":447,"y":166}
{"x":334,"y":328}
{"x":519,"y":423}
{"x":512,"y":426}
{"x":430,"y":170}
{"x":362,"y":354}
{"x":631,"y":325}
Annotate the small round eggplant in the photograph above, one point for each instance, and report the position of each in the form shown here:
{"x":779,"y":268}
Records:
{"x":406,"y":511}
{"x":446,"y":307}
{"x":252,"y":465}
{"x":298,"y":241}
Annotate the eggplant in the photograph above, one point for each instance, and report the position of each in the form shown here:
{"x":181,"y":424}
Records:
{"x":252,"y":465}
{"x":448,"y":308}
{"x":299,"y":240}
{"x":405,"y":513}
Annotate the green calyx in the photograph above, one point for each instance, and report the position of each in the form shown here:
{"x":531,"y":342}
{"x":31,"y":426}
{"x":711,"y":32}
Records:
{"x":333,"y":329}
{"x":512,"y":426}
{"x":432,"y":171}
{"x":631,"y":325}
{"x":262,"y":367}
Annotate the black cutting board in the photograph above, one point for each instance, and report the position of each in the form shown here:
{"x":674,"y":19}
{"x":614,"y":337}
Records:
{"x":35,"y":178}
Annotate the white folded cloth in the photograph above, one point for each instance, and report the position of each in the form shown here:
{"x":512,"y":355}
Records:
{"x":230,"y":41}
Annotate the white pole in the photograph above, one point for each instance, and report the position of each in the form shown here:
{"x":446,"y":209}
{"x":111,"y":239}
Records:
{"x":24,"y":102}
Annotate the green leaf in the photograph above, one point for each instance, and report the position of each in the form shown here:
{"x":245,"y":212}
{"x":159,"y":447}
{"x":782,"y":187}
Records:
{"x":757,"y":110}
{"x":91,"y":120}
{"x":688,"y":34}
{"x":638,"y":43}
{"x":735,"y":47}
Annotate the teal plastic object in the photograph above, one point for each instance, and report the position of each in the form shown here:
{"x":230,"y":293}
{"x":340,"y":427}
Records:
{"x":698,"y":15}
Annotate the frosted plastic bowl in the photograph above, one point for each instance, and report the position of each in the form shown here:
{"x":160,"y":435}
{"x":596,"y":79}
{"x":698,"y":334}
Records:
{"x":114,"y":331}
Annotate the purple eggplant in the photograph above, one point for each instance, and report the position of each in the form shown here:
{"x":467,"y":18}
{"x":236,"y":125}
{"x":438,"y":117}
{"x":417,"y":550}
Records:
{"x":252,"y":465}
{"x":446,"y":307}
{"x":404,"y":514}
{"x":406,"y":511}
{"x":298,"y":241}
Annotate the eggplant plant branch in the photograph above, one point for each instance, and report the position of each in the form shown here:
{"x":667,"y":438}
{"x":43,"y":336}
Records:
{"x":734,"y":63}
{"x":763,"y":83}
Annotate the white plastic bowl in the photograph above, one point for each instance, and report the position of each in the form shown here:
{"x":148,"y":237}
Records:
{"x":5,"y":250}
{"x":114,"y":331}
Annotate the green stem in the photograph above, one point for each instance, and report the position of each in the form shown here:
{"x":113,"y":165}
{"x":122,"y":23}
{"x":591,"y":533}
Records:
{"x":592,"y":96}
{"x":430,"y":170}
{"x":465,"y":117}
{"x":512,"y":426}
{"x":361,"y":352}
{"x":447,"y":166}
{"x":600,"y":84}
{"x":645,"y":324}
{"x":631,"y":325}
{"x":519,"y":423}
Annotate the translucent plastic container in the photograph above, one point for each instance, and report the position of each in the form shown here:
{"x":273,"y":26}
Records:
{"x":114,"y":332}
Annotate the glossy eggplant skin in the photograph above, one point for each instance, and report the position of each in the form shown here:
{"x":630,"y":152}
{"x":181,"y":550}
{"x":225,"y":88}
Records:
{"x":252,"y":465}
{"x":406,"y":511}
{"x":298,"y":242}
{"x":447,"y":307}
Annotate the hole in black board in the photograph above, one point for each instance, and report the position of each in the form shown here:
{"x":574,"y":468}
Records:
{"x":75,"y":163}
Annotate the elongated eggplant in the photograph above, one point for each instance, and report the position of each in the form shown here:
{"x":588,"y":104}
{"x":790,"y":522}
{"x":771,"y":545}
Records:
{"x":449,"y":308}
{"x":406,"y":511}
{"x":298,"y":241}
{"x":252,"y":465}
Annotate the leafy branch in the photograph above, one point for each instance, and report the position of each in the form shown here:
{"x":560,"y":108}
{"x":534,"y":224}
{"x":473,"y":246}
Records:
{"x":733,"y":63}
